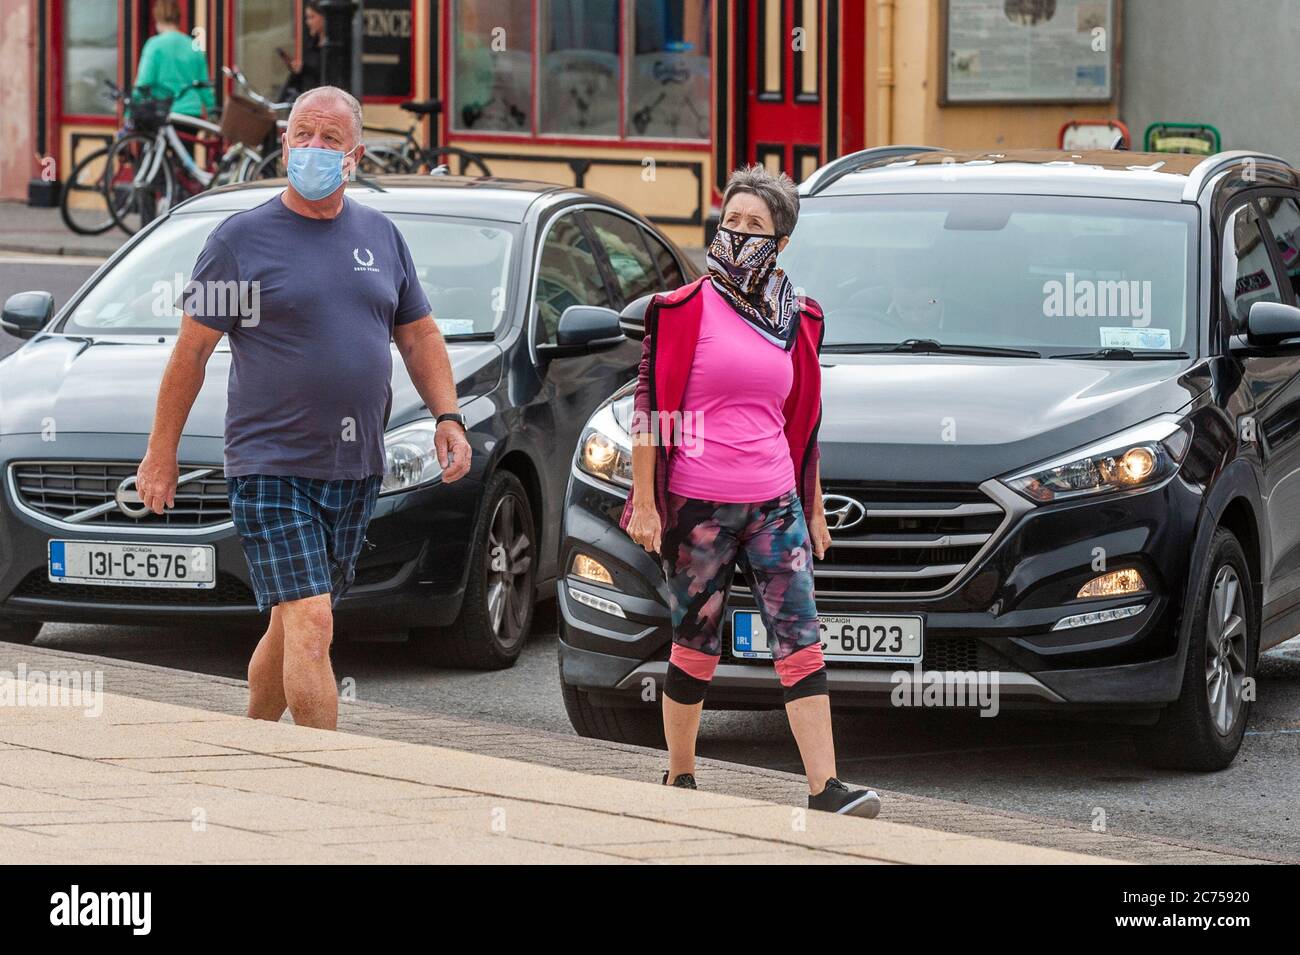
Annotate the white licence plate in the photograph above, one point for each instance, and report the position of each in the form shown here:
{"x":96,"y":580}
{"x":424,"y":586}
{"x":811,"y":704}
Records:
{"x":120,"y":564}
{"x":843,"y":638}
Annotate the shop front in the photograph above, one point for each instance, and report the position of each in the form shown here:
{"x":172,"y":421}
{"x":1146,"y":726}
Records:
{"x":649,"y":101}
{"x":652,"y":101}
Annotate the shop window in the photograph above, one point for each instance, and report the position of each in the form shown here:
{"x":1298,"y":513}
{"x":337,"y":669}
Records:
{"x":577,"y":57}
{"x":89,"y":56}
{"x":668,"y":89}
{"x":262,"y":27}
{"x":492,"y":66}
{"x":568,"y":275}
{"x":578,"y":73}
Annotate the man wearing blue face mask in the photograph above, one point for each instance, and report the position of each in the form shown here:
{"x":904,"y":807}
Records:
{"x":331,"y":282}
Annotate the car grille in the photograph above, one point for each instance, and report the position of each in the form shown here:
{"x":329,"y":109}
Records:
{"x":914,"y":540}
{"x":229,"y":591}
{"x":66,"y":490}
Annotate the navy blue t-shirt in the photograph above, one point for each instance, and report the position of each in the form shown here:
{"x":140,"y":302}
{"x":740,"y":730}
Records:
{"x":309,"y":390}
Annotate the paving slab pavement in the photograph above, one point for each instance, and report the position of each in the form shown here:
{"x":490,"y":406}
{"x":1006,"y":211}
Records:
{"x":118,"y":760}
{"x":133,"y":780}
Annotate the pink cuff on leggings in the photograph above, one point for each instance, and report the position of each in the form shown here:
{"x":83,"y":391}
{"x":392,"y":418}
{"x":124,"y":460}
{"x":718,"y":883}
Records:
{"x":693,"y":663}
{"x":798,"y":665}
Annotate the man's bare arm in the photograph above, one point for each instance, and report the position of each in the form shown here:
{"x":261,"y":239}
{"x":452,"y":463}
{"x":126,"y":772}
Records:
{"x":424,"y":352}
{"x":181,"y":381}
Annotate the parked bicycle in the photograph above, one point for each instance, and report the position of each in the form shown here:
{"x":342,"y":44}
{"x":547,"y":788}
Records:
{"x":149,"y":166}
{"x":165,"y":171}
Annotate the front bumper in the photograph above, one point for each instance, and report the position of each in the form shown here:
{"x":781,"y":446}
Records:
{"x":411,"y":571}
{"x":996,"y":621}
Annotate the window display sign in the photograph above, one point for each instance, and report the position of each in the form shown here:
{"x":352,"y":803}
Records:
{"x":386,"y":48}
{"x":1029,"y":51}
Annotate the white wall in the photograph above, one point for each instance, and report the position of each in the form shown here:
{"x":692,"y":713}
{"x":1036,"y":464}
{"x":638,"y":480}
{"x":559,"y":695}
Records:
{"x":1234,"y":64}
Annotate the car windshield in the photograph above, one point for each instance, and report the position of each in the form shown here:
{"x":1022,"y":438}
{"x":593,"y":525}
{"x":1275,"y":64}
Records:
{"x":1057,"y":275}
{"x":463,"y":265}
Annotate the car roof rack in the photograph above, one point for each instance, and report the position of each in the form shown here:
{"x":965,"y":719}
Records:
{"x":1211,"y":166}
{"x":837,"y":169}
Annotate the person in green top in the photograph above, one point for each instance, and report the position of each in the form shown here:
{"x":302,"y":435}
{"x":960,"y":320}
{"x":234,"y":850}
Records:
{"x":170,"y":66}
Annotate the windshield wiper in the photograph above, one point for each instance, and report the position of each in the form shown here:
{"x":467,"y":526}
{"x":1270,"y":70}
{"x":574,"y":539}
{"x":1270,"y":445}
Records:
{"x":928,"y":346}
{"x":1126,"y":354}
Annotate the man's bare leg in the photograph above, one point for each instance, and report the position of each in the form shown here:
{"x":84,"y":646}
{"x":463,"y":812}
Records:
{"x":309,"y":687}
{"x":266,"y":700}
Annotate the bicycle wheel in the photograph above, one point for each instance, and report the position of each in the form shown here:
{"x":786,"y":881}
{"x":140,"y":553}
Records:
{"x":383,"y":162}
{"x":269,"y":168}
{"x":143,"y":184}
{"x":84,"y":203}
{"x":444,"y":156}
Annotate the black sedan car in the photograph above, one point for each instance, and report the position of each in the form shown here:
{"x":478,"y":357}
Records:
{"x":525,"y":280}
{"x":1060,"y":450}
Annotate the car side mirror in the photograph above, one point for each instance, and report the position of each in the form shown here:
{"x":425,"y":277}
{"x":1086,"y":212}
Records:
{"x":26,"y":313}
{"x":632,"y":319}
{"x":1273,"y":325}
{"x":583,"y":329}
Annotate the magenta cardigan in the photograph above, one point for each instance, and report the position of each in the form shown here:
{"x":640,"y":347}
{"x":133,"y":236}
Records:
{"x":672,"y":327}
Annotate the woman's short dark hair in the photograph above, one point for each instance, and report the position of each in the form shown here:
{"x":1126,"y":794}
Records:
{"x":777,"y":191}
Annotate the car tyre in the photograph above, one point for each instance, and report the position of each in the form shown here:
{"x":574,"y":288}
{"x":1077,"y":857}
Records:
{"x":1204,"y":728}
{"x":24,"y":632}
{"x":638,"y":725}
{"x":496,"y":615}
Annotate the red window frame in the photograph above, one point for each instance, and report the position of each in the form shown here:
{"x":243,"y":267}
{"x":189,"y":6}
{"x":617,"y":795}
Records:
{"x":61,"y":119}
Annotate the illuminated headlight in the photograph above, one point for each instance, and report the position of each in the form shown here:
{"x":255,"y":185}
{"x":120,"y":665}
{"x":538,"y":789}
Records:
{"x":1139,"y":457}
{"x":592,"y":569}
{"x":605,"y":449}
{"x":1117,"y":583}
{"x":410,"y":458}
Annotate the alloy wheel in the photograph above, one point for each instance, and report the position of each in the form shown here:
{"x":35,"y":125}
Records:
{"x":1225,"y":649}
{"x":510,"y":571}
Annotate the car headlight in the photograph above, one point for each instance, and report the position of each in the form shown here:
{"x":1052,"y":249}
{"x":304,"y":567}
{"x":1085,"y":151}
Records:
{"x":410,"y":457}
{"x":605,"y":449}
{"x":1142,"y":456}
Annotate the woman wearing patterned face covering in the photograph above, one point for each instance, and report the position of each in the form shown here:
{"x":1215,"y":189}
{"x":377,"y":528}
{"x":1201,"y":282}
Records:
{"x":725,"y":455}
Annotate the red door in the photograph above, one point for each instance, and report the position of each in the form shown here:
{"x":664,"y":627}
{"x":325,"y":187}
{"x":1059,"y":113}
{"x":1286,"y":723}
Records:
{"x":783,"y":95}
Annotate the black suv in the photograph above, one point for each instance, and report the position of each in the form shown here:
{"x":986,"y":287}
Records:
{"x":1060,"y":450}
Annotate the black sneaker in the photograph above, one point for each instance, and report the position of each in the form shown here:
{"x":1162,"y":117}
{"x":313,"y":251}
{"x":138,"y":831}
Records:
{"x":840,"y":799}
{"x":683,"y":781}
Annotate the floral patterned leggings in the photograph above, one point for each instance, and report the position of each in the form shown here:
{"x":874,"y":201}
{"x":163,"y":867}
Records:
{"x":699,"y":550}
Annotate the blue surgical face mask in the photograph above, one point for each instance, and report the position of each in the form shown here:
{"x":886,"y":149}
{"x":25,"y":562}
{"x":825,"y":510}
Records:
{"x":316,"y":172}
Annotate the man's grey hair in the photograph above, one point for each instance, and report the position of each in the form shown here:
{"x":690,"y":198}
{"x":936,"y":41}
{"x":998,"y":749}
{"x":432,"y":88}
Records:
{"x":341,"y":95}
{"x":777,"y":191}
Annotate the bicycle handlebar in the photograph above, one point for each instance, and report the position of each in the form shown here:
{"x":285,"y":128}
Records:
{"x":244,"y":88}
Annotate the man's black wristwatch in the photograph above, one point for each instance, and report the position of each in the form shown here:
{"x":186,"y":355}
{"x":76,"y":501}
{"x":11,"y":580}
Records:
{"x":455,"y":416}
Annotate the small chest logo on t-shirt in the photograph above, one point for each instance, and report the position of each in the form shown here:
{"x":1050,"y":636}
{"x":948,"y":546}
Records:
{"x":365,"y":263}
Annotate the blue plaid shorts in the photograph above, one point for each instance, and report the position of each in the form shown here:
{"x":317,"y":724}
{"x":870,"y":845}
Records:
{"x":301,"y":535}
